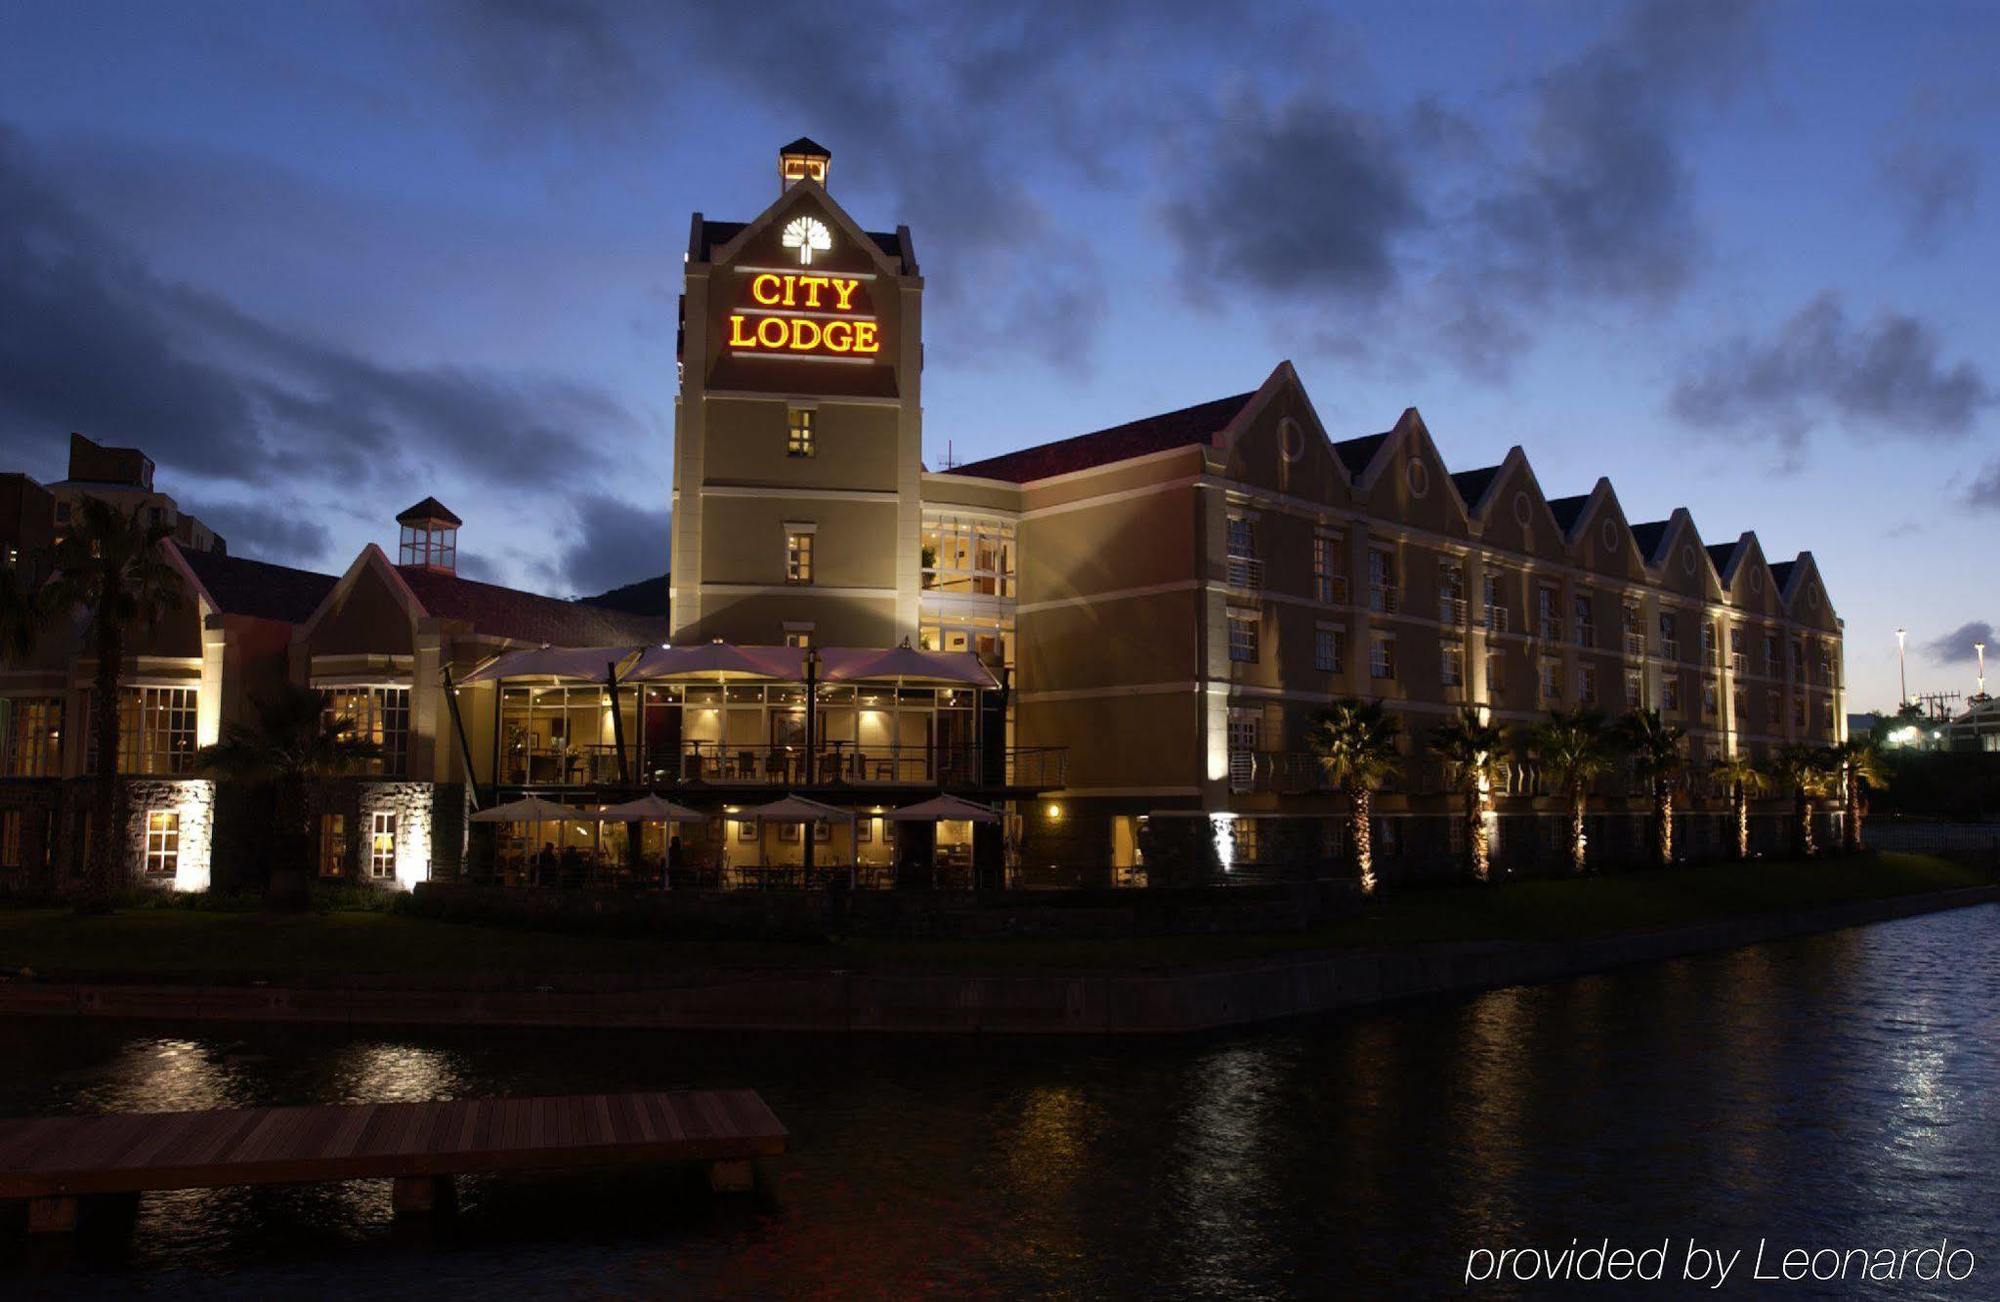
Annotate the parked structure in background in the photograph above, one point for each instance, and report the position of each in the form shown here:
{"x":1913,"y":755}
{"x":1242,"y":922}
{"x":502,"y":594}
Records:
{"x":1120,"y":639}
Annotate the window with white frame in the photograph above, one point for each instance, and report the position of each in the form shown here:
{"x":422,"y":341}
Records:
{"x":156,"y":730}
{"x":1243,"y":636}
{"x":1451,"y":663}
{"x":382,"y":844}
{"x":798,"y":555}
{"x":1670,"y":691}
{"x":800,"y":432}
{"x":1635,"y":689}
{"x":375,"y":714}
{"x":163,"y":842}
{"x":1585,"y":606}
{"x":1329,"y":649}
{"x":1245,"y":846}
{"x":332,"y":845}
{"x":968,"y":554}
{"x":1382,"y":656}
{"x":1494,"y":612}
{"x":1711,"y":703}
{"x":1329,"y":582}
{"x":1382,"y":595}
{"x":1496,"y":673}
{"x":1242,"y":536}
{"x":1586,"y":684}
{"x":1548,"y":619}
{"x":1670,"y":640}
{"x":1551,"y":679}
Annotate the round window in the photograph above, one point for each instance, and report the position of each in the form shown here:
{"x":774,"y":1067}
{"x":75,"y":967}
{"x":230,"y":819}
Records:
{"x":1291,"y":439}
{"x":1756,"y":578}
{"x":1812,"y":596}
{"x":1610,"y":535}
{"x":1419,"y":478}
{"x":1687,"y":558}
{"x":1522,"y":512}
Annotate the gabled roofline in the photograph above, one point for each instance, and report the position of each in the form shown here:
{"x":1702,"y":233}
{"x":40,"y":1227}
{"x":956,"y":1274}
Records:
{"x":186,"y":571}
{"x":728,"y":251}
{"x":370,"y":557}
{"x":1387,"y":451}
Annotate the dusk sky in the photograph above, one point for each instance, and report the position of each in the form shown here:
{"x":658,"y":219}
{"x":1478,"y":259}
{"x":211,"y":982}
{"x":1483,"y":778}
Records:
{"x":320,"y":260}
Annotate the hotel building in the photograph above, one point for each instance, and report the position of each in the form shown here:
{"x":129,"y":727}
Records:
{"x":1117,"y":639}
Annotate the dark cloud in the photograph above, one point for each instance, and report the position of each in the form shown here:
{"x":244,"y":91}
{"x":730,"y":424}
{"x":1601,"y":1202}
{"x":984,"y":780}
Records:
{"x":1934,"y":188}
{"x":1306,"y":199}
{"x":612,"y":543}
{"x":1956,"y":647}
{"x":91,"y":339}
{"x":286,"y":535}
{"x":1598,"y":204}
{"x":1985,"y":490}
{"x":1887,"y":374}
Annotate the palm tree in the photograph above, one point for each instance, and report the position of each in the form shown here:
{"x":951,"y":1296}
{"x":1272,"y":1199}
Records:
{"x":1804,"y":770}
{"x":1574,"y":750}
{"x":293,"y":740}
{"x":1743,"y":780}
{"x":1356,"y":745}
{"x":1473,"y":750}
{"x":112,"y":566}
{"x":1655,"y":747}
{"x":1858,"y":761}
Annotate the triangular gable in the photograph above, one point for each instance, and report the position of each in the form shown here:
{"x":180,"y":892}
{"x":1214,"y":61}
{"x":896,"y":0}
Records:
{"x":1602,"y":533}
{"x":1257,"y":447}
{"x":1682,"y":562}
{"x":1804,"y":594}
{"x":1422,"y":497}
{"x":1475,"y":488}
{"x":782,"y":207}
{"x":1506,"y":523}
{"x":371,"y":564}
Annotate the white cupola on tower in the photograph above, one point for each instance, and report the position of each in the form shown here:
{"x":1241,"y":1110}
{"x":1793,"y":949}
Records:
{"x":801,"y":159}
{"x":429,"y":537}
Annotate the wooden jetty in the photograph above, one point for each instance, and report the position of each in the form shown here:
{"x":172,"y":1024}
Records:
{"x":52,"y":1161}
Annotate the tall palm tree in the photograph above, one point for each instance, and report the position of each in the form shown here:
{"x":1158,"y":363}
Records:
{"x":293,"y":739}
{"x":1356,"y":745}
{"x":1474,"y":751}
{"x":1805,"y":772}
{"x":1858,"y":763}
{"x":1574,"y":750}
{"x":111,"y":565}
{"x":23,"y":607}
{"x":1655,"y":747}
{"x":1743,"y":780}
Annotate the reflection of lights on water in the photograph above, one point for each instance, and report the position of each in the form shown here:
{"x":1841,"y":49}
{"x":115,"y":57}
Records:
{"x":1046,"y":1149}
{"x":398,"y":1073}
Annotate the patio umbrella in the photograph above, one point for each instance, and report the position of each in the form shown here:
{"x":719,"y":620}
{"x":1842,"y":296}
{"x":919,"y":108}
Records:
{"x":947,"y":808}
{"x":585,"y":662}
{"x":649,"y":809}
{"x":531,"y":809}
{"x":907,"y":664}
{"x":797,"y":809}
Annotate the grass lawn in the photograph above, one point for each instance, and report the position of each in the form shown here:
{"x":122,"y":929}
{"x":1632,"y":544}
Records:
{"x":188,"y":943}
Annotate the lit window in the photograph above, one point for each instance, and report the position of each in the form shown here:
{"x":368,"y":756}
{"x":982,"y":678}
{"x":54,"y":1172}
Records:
{"x":382,"y":845}
{"x":965,"y":555}
{"x":1244,"y":844}
{"x":163,"y":843}
{"x":1328,"y":651}
{"x":375,"y":714}
{"x":10,"y":838}
{"x":1452,"y":663}
{"x":1243,"y":637}
{"x":30,"y":736}
{"x":332,"y":845}
{"x":799,"y":637}
{"x":799,"y":431}
{"x":798,"y":556}
{"x":156,"y":727}
{"x":1242,"y":536}
{"x":1382,"y":656}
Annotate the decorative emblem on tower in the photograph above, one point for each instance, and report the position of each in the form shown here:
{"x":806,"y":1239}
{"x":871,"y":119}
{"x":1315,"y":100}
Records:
{"x":806,"y":234}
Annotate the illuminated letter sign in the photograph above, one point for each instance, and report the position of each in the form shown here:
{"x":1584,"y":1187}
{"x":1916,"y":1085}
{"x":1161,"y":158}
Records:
{"x":805,"y":313}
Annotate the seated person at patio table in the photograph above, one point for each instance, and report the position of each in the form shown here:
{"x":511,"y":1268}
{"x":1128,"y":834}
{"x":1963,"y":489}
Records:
{"x":572,"y":866}
{"x":545,"y":865}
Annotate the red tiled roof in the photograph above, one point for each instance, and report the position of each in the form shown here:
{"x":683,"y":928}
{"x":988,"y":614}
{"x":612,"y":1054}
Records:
{"x":261,"y":590}
{"x":1173,"y":429}
{"x":526,"y":617}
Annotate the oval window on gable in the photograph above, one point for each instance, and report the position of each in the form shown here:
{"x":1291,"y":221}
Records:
{"x":1523,"y":509}
{"x":1419,"y":478}
{"x":1609,"y":533}
{"x":1291,"y":439}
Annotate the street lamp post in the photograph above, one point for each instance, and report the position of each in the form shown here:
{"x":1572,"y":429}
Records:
{"x":1902,"y":671}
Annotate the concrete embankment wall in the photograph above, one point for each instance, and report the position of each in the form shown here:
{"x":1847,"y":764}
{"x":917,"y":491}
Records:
{"x":1112,"y":1003}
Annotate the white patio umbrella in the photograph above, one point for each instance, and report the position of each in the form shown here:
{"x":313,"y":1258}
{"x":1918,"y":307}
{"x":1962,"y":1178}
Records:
{"x":590,"y":663}
{"x":797,"y":809}
{"x":649,"y":809}
{"x":907,"y":664}
{"x":721,"y":660}
{"x":531,"y":809}
{"x":944,"y":808}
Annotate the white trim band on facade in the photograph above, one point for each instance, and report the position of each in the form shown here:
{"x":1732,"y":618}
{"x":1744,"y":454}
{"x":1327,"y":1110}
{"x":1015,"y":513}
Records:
{"x":882,"y":496}
{"x":796,"y":590}
{"x":1100,"y":693}
{"x":745,"y":269}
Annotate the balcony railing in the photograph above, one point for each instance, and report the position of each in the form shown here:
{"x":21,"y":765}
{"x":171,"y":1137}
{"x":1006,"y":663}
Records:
{"x":1245,"y":572}
{"x":1739,"y":663}
{"x":1383,"y":599}
{"x":1670,"y":648}
{"x":1635,"y":645}
{"x":1496,"y":619}
{"x":1451,"y":610}
{"x":1711,"y":657}
{"x":1276,"y":772}
{"x":837,"y":764}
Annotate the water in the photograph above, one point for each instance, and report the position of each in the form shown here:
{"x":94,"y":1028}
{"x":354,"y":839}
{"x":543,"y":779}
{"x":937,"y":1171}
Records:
{"x":1840,"y":1090}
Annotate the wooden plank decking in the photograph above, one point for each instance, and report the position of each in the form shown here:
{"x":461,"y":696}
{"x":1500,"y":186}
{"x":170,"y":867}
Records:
{"x":63,"y":1157}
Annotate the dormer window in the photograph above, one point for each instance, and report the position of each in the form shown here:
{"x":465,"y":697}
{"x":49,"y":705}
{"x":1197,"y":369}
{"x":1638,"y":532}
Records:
{"x":429,"y":538}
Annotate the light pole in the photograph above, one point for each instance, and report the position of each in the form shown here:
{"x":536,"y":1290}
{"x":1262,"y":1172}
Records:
{"x":1980,"y":647}
{"x":1902,"y":671}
